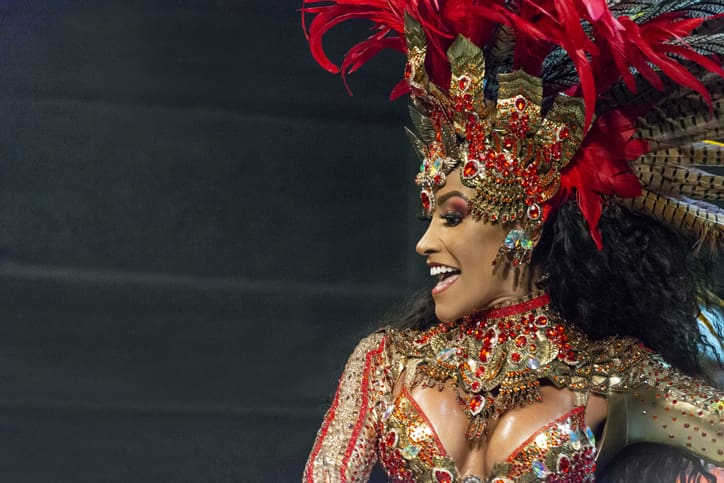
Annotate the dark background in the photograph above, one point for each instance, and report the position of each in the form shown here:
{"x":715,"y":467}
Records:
{"x":196,"y":225}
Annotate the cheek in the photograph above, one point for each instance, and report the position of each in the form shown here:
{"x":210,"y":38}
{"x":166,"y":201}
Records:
{"x":487,"y":242}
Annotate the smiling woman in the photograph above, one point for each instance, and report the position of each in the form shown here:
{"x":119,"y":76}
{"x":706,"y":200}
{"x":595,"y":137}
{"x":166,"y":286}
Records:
{"x":557,"y":177}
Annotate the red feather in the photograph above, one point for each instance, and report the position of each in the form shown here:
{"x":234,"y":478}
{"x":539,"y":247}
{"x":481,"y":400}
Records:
{"x":601,"y":167}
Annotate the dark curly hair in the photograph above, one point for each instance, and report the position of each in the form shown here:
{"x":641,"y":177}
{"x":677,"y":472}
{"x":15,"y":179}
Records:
{"x":647,"y":282}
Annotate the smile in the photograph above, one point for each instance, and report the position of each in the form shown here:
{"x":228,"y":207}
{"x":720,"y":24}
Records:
{"x":447,"y":276}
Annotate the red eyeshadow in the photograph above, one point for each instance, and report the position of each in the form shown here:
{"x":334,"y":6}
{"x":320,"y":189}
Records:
{"x":459,"y":205}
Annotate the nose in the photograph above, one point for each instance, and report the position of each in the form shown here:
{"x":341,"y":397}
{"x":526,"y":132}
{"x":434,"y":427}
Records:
{"x":429,"y":242}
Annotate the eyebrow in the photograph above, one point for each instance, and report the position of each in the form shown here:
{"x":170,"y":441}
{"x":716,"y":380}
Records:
{"x":449,"y":195}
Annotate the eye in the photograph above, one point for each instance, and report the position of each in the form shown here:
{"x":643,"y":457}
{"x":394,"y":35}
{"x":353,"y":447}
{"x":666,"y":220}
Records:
{"x":452,"y":218}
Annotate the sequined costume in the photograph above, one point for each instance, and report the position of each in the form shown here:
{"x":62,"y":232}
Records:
{"x":647,"y":402}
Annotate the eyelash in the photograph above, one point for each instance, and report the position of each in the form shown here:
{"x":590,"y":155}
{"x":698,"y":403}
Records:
{"x":452,"y":218}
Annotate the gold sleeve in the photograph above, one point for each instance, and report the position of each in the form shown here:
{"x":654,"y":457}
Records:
{"x":656,"y":404}
{"x":345,"y":447}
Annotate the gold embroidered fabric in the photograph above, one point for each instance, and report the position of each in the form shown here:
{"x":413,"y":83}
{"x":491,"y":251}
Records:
{"x":647,"y":401}
{"x":656,"y":404}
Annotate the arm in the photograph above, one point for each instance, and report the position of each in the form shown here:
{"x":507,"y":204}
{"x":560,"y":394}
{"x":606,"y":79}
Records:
{"x":657,"y":404}
{"x":345,"y":446}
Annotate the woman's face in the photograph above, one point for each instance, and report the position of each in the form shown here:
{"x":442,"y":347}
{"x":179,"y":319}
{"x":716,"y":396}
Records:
{"x":460,"y":252}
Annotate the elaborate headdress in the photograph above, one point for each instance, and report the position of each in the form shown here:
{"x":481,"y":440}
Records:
{"x":538,"y":101}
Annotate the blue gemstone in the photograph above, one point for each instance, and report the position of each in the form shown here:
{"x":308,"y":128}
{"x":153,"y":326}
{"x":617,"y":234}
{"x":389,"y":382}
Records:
{"x":575,"y":439}
{"x":446,"y":354}
{"x":525,"y":242}
{"x":410,"y":451}
{"x":590,"y":436}
{"x":539,"y":469}
{"x":533,"y":363}
{"x":513,"y":238}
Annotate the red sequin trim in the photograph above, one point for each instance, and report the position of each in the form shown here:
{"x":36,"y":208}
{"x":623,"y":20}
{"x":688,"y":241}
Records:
{"x":520,"y":308}
{"x":364,"y":388}
{"x":323,"y":434}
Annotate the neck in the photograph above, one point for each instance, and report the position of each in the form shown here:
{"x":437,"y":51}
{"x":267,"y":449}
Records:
{"x":511,"y":305}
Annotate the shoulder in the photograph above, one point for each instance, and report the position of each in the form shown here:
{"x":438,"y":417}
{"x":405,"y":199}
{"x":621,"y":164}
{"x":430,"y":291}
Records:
{"x":369,"y":353}
{"x":602,"y":366}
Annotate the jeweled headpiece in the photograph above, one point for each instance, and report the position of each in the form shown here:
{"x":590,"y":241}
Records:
{"x":535,"y":102}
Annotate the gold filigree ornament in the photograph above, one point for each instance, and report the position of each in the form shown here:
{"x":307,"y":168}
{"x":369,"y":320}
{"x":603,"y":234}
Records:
{"x":495,"y":358}
{"x":508,"y":151}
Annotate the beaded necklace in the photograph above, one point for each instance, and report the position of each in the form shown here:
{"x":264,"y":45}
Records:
{"x":494,"y":357}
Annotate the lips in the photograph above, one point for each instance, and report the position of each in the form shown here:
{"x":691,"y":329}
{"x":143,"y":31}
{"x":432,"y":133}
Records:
{"x":445,"y":283}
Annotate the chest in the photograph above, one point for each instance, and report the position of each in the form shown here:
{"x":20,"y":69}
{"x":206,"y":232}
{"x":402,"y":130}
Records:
{"x":430,"y":445}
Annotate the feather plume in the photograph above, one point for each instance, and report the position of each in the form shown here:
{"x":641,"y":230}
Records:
{"x":674,"y":124}
{"x":695,"y":154}
{"x":600,"y":168}
{"x":702,"y":220}
{"x":687,"y":181}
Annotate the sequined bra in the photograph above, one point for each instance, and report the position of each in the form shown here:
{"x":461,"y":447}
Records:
{"x":411,"y":451}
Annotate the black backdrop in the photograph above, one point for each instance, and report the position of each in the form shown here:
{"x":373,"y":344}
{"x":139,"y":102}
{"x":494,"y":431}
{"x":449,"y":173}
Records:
{"x":196,"y":224}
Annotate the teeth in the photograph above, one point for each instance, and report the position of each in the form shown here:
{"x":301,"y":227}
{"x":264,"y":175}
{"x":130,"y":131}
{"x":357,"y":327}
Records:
{"x":437,"y":270}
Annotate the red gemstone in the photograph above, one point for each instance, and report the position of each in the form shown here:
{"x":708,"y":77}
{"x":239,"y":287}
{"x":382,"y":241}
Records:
{"x":520,"y":103}
{"x":476,"y":404}
{"x":437,"y":179}
{"x":464,"y":83}
{"x":425,"y":199}
{"x":442,"y":475}
{"x":480,"y":371}
{"x":483,"y":355}
{"x":391,"y":439}
{"x":556,"y":151}
{"x":475,"y":386}
{"x":520,"y":341}
{"x":470,"y":169}
{"x":508,"y":143}
{"x":564,"y":464}
{"x":515,"y":357}
{"x":564,"y":133}
{"x":408,"y":70}
{"x":534,"y":211}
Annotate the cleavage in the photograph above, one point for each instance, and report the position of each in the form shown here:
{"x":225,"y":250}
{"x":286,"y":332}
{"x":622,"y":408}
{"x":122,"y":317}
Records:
{"x":450,"y":424}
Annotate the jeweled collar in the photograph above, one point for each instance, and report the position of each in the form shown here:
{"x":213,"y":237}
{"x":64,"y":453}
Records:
{"x":483,"y":318}
{"x":495,"y":357}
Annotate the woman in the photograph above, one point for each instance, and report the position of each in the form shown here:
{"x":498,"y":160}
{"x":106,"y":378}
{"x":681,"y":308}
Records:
{"x":560,"y":224}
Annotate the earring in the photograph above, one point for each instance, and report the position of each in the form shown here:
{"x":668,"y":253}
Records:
{"x":520,"y":242}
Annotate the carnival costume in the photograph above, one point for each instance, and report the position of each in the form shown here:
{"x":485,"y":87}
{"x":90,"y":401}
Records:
{"x":534,"y":103}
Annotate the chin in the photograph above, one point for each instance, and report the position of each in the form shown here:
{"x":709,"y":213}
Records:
{"x":448,"y":314}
